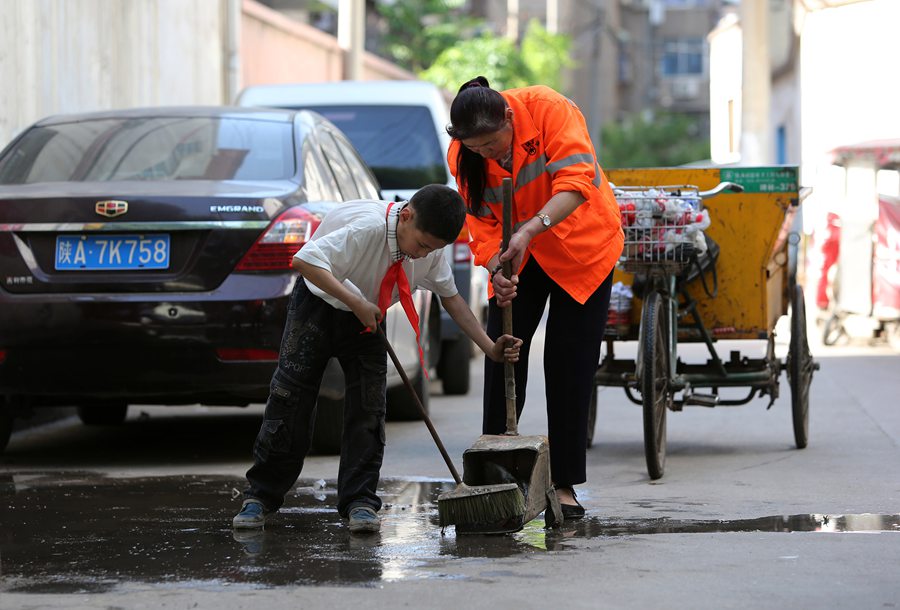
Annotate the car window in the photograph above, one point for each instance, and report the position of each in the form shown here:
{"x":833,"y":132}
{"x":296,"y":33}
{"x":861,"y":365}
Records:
{"x":154,"y":148}
{"x":339,"y":167}
{"x":317,"y":179}
{"x":365,"y":183}
{"x":399,"y":143}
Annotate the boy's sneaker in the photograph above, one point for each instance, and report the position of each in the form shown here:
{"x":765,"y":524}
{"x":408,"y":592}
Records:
{"x":364,"y":520}
{"x":251,"y":540}
{"x":253,"y":514}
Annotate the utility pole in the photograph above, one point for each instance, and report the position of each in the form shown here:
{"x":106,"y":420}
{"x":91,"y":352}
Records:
{"x":351,"y":36}
{"x":553,"y":16}
{"x":512,"y":20}
{"x":232,"y":72}
{"x":756,"y":136}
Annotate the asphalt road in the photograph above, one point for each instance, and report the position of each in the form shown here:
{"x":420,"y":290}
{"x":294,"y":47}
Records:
{"x":137,"y":516}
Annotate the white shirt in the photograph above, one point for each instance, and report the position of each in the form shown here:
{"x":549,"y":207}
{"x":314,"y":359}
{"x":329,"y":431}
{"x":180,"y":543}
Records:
{"x":357,"y":245}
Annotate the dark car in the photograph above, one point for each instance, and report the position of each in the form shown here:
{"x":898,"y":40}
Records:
{"x":145,"y":258}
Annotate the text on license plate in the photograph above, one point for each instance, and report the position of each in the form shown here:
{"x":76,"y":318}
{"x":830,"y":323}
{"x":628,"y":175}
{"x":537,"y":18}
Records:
{"x":112,"y":252}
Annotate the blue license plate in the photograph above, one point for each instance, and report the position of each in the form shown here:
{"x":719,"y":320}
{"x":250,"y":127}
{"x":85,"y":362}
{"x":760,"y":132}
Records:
{"x":111,"y":252}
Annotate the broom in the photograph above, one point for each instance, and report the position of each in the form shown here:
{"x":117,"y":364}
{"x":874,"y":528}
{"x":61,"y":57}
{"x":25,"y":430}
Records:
{"x":465,"y":504}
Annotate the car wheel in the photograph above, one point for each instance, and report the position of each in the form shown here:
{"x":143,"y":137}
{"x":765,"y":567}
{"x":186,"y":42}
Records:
{"x":453,"y":367}
{"x":103,"y":414}
{"x":329,"y":426}
{"x":401,"y":406}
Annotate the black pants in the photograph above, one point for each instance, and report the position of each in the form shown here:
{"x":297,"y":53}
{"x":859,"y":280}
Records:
{"x":315,"y":332}
{"x":571,"y":356}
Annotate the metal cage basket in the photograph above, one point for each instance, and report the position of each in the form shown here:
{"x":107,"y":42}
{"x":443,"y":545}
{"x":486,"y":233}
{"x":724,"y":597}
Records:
{"x":660,"y":225}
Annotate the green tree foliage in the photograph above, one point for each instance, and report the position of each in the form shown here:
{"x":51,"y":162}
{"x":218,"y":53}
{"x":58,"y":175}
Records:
{"x":491,"y":56}
{"x":546,"y":55}
{"x":540,"y":60}
{"x":663,"y":140}
{"x":419,"y":30}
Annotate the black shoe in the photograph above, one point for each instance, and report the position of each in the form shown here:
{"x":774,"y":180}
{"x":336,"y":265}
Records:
{"x":572,"y":511}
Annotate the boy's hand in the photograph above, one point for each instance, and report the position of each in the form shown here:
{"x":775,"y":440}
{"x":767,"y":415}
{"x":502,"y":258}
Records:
{"x":367,"y":313}
{"x":506,"y":348}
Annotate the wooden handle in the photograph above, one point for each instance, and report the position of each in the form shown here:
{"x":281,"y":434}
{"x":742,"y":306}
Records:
{"x":412,"y":390}
{"x":509,"y":368}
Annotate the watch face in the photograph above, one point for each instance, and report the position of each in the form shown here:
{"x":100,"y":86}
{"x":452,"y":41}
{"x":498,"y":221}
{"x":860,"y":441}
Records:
{"x":545,"y":220}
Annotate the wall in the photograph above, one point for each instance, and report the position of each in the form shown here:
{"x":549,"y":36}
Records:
{"x":66,"y":56}
{"x":60,"y":56}
{"x":849,"y":95}
{"x":725,"y":91}
{"x":277,"y":49}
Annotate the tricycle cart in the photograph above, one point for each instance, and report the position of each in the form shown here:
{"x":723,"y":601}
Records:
{"x":690,"y":289}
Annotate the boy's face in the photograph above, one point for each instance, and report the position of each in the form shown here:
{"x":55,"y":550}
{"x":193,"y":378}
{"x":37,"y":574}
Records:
{"x":414,"y":242}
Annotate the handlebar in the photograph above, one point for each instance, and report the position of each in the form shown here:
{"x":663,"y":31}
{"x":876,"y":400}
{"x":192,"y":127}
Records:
{"x":722,"y":186}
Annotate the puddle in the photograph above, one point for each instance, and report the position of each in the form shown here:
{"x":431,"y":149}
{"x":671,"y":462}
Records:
{"x":84,"y":533}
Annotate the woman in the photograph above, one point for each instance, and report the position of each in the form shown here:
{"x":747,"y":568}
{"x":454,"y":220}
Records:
{"x":566,"y":240}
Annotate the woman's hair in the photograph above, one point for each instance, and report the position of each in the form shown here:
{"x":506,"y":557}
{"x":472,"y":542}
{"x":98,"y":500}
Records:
{"x":476,"y":110}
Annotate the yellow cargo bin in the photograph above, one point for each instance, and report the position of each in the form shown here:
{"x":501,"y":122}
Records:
{"x":751,"y":229}
{"x":756,"y":285}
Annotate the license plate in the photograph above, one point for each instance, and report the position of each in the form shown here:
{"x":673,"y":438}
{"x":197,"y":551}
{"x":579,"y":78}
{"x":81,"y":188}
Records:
{"x":111,"y":252}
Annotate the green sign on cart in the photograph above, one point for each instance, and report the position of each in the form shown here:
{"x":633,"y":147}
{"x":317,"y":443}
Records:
{"x":762,"y":179}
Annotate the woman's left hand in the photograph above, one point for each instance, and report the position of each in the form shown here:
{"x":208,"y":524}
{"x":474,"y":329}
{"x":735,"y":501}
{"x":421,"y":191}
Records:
{"x":518,"y":244}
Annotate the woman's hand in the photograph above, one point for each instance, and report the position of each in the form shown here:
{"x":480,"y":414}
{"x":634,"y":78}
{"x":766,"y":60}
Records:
{"x":505,"y":289}
{"x":506,"y":348}
{"x":518,"y":244}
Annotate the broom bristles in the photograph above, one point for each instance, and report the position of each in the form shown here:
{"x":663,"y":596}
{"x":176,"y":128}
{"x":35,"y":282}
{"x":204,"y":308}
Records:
{"x":480,"y":504}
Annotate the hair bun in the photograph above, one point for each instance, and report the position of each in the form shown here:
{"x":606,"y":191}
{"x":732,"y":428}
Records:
{"x":478,"y":81}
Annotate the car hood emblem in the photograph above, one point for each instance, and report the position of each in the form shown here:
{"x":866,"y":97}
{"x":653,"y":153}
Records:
{"x":111,"y":208}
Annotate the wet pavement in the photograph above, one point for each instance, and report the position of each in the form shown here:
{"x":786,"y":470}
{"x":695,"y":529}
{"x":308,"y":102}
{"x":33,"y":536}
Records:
{"x":83,"y":532}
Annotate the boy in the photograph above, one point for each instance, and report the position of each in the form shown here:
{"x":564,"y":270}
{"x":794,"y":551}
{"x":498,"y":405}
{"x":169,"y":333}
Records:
{"x":350,"y":268}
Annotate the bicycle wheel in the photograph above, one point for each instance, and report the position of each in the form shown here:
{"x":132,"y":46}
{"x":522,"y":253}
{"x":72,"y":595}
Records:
{"x":834,"y":330}
{"x":654,"y":382}
{"x":800,"y":369}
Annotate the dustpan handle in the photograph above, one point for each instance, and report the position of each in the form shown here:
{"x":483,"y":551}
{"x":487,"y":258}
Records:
{"x":412,"y":391}
{"x":509,"y":369}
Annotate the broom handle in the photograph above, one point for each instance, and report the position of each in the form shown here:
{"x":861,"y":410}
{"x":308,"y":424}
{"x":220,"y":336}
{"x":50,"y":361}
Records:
{"x":412,"y":391}
{"x":509,"y":369}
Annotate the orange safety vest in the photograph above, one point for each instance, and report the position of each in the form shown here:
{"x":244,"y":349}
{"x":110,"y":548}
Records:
{"x":552,"y":153}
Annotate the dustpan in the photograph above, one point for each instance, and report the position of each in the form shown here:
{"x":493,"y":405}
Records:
{"x":509,"y":458}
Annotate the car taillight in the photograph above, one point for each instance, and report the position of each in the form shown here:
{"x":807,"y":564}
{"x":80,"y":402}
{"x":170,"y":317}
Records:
{"x":275,"y":249}
{"x":234,"y":354}
{"x":2,"y":356}
{"x":461,"y":251}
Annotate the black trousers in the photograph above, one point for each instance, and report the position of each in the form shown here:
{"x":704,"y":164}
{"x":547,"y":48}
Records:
{"x":315,"y":332}
{"x":571,"y":355}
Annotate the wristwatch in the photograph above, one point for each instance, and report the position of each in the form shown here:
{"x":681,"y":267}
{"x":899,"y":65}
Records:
{"x":545,"y":220}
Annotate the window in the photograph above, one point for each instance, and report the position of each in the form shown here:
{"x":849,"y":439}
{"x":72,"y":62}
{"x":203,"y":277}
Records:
{"x":686,"y":3}
{"x":338,"y":165}
{"x":683,"y":57}
{"x":781,"y":145}
{"x":317,"y":179}
{"x":399,"y":143}
{"x":365,"y":184}
{"x":152,"y":149}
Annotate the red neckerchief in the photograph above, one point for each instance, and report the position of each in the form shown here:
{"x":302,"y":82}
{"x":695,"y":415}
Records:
{"x":396,"y":275}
